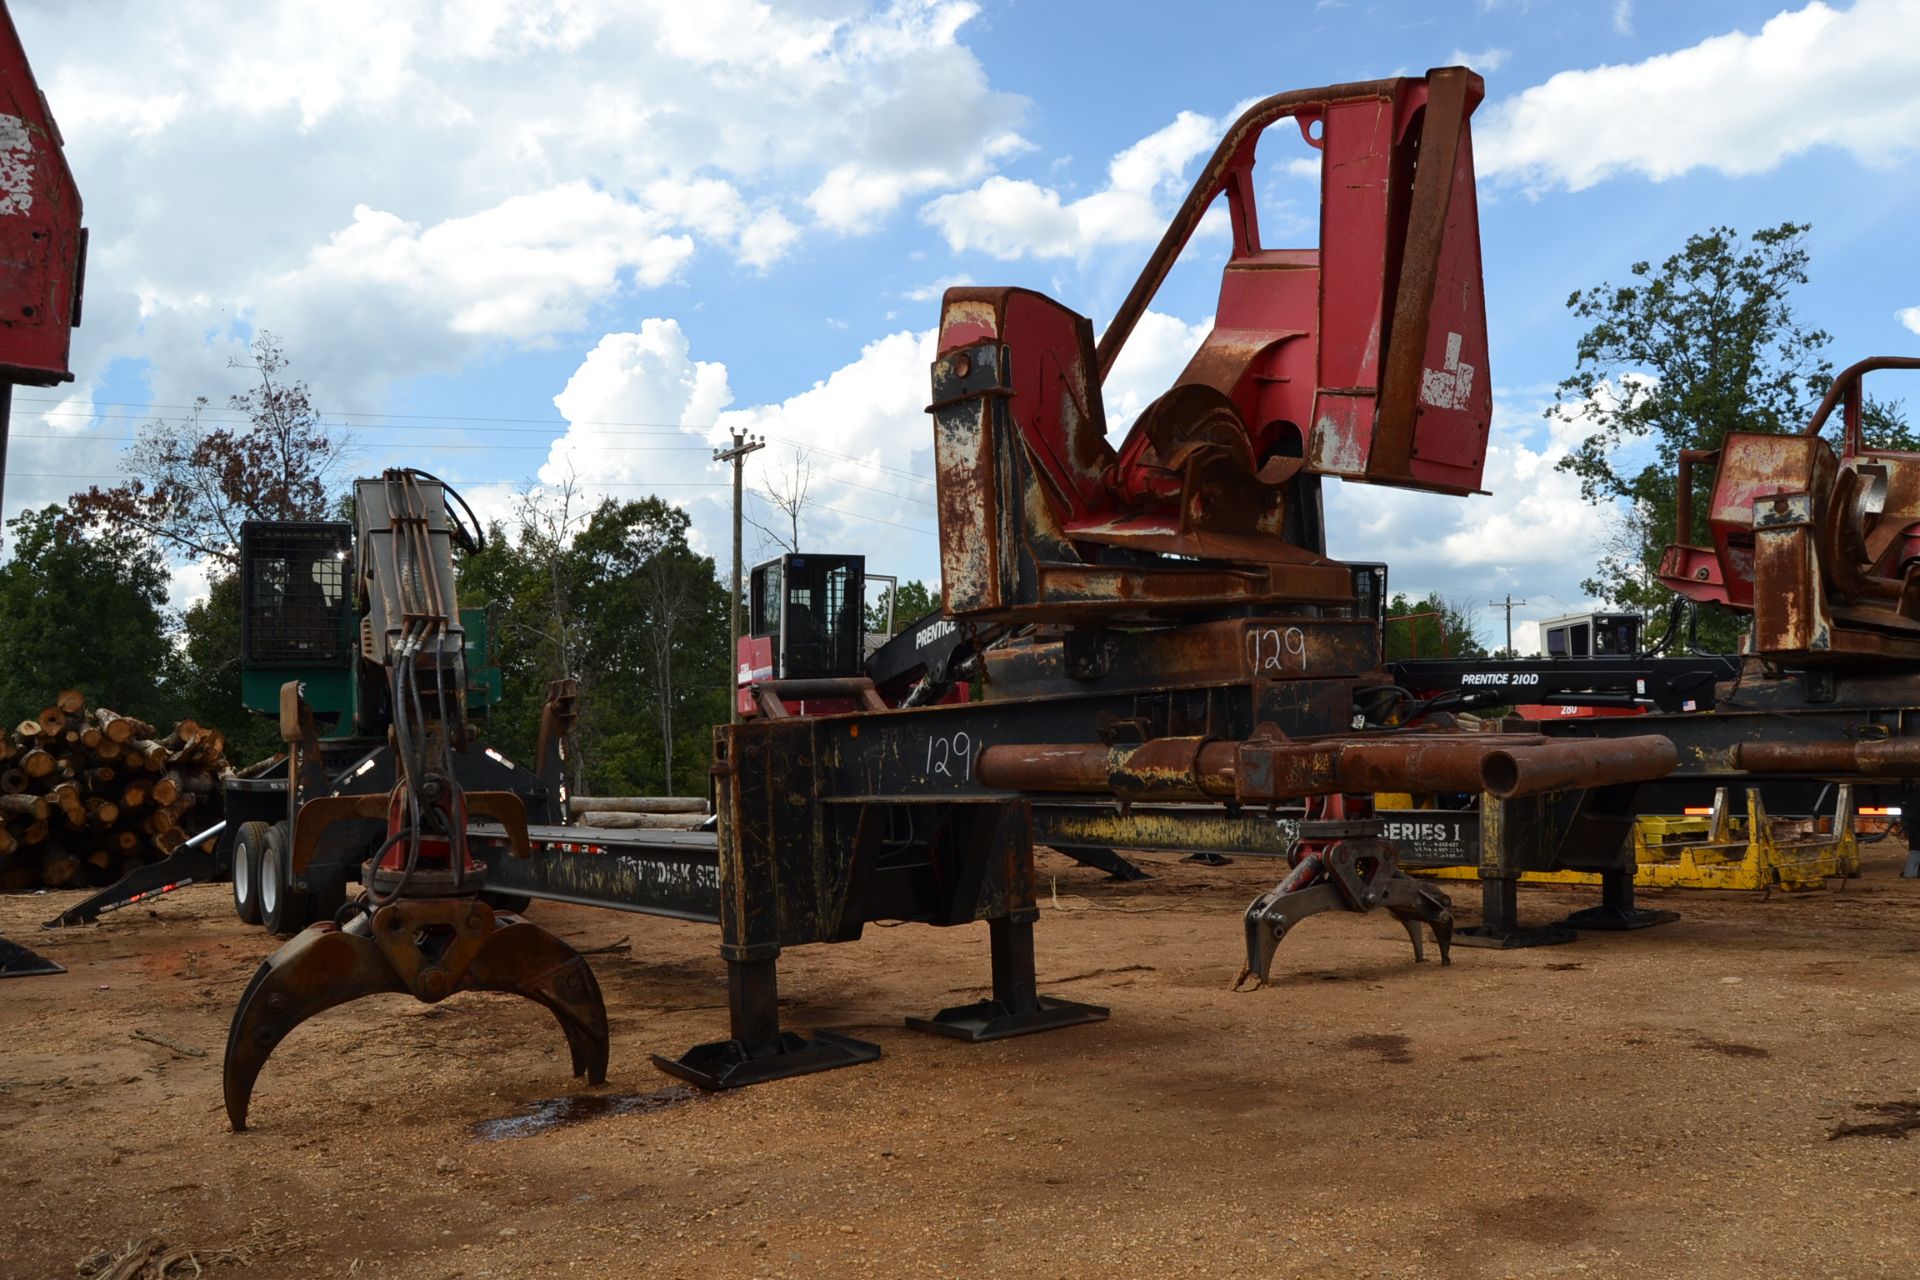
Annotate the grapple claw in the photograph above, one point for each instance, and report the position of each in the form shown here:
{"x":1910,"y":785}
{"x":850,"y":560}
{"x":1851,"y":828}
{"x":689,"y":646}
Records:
{"x":318,"y":968}
{"x":1412,"y":904}
{"x":428,"y":947}
{"x":526,"y":960}
{"x":1270,"y":918}
{"x":1349,"y":874}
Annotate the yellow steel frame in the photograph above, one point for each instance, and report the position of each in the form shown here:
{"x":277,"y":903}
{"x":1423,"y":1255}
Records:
{"x":1721,"y":850}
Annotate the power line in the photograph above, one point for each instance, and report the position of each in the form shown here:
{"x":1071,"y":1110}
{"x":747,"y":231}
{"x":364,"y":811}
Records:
{"x":475,"y":480}
{"x":455,"y":422}
{"x":503,"y":448}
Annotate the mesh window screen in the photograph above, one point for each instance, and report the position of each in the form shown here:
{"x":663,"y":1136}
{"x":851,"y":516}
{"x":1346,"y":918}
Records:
{"x":294,"y":595}
{"x":823,"y":627}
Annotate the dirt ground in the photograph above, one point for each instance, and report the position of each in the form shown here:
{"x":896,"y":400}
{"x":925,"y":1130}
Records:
{"x":1648,"y":1104}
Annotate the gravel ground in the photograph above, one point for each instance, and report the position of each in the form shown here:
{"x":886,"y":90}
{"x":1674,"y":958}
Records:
{"x":1649,"y":1104}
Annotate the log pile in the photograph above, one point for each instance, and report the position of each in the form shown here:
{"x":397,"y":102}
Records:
{"x":88,"y":794}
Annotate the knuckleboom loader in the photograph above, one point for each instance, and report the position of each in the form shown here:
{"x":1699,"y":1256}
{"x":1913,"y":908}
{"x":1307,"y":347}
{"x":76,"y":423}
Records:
{"x":353,"y":634}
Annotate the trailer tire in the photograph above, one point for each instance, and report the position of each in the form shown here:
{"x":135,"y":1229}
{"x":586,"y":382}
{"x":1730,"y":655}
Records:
{"x":247,"y":843}
{"x":284,"y":910}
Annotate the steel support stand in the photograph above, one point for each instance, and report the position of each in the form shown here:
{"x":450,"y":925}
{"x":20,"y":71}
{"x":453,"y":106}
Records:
{"x":1512,"y":836}
{"x":759,"y":1050}
{"x":1910,"y":818}
{"x":1499,"y":928}
{"x":1017,"y":1008}
{"x":1117,"y":866}
{"x":1616,"y":911}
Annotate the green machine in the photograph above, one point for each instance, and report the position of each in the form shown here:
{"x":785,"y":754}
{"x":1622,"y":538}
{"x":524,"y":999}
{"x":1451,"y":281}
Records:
{"x":337,"y":619}
{"x":297,"y":623}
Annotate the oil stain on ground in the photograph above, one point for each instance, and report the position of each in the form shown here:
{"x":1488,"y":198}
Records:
{"x":1390,"y":1048}
{"x":549,"y":1114}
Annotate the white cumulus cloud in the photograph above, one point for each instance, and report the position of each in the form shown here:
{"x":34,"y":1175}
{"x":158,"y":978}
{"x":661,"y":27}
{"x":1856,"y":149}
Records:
{"x":321,"y":167}
{"x":1909,"y":317}
{"x":1485,"y":61}
{"x":1010,"y":218}
{"x":1736,"y":103}
{"x":644,"y":415}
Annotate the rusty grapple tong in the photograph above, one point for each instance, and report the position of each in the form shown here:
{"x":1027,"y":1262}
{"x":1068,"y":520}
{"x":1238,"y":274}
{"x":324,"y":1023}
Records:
{"x":1343,"y":865}
{"x":420,"y":928}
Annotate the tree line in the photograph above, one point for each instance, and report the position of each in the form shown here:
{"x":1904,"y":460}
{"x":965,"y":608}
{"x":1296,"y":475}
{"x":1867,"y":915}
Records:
{"x":609,"y":593}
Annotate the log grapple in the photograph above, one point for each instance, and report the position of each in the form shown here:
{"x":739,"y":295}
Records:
{"x":419,"y":925}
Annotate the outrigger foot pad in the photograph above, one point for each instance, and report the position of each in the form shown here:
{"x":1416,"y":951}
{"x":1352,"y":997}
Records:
{"x":729,"y":1064}
{"x":994,"y":1020}
{"x":1496,"y":939}
{"x":429,"y":948}
{"x":1618,"y":919}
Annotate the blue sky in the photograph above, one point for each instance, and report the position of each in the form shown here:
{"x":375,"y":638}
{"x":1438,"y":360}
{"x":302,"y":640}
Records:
{"x":512,"y":240}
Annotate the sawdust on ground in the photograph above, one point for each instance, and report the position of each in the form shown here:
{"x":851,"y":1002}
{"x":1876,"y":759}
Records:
{"x":1648,"y":1104}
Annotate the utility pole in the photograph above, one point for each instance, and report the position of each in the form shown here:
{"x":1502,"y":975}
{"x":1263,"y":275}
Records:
{"x":1510,"y":602}
{"x":743,"y":444}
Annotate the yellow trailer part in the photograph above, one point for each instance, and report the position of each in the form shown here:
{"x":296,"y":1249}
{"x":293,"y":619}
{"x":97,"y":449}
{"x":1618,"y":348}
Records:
{"x":1721,"y":850}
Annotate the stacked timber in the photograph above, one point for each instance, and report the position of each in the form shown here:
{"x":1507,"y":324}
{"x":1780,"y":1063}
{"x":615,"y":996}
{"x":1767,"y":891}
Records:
{"x":88,"y":794}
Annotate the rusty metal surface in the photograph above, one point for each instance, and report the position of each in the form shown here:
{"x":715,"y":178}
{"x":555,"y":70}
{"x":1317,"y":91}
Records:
{"x":1265,"y":769}
{"x":1364,"y":357}
{"x":1820,"y":545}
{"x":1525,"y":770}
{"x":1885,"y":758}
{"x":1197,"y":655}
{"x":1391,"y":454}
{"x":430,"y":949}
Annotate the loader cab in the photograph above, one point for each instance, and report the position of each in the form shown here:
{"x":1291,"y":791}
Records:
{"x":807,"y":620}
{"x":1591,"y":635}
{"x":297,"y":616}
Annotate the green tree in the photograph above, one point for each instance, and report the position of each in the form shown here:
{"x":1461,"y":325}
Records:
{"x":508,"y":575}
{"x":191,"y":484}
{"x":82,"y":611}
{"x":1703,"y":344}
{"x":915,"y":601}
{"x":1431,"y":627}
{"x":656,"y":638}
{"x":617,"y":600}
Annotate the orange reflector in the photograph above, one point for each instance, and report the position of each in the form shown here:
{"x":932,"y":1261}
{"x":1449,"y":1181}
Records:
{"x":1697,"y":813}
{"x":1878,"y":813}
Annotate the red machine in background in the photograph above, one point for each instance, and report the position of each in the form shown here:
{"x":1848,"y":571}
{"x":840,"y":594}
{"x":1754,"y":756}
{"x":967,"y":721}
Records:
{"x":43,"y":247}
{"x":808,"y":651}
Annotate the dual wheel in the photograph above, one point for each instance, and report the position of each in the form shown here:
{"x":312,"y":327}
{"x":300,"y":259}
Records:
{"x":263,"y":888}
